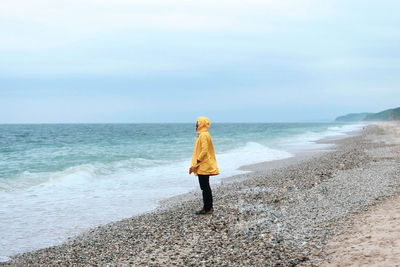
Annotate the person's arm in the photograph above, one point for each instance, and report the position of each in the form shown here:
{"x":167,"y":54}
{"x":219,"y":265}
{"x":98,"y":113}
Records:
{"x":204,"y":148}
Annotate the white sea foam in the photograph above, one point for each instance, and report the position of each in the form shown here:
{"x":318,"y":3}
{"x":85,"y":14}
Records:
{"x":4,"y":258}
{"x":251,"y":153}
{"x":307,"y":140}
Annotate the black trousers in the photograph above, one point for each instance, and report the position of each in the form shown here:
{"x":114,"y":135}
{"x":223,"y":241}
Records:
{"x":204,"y":181}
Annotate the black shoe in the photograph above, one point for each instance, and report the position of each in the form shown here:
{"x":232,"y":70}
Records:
{"x":204,"y":212}
{"x":200,"y":211}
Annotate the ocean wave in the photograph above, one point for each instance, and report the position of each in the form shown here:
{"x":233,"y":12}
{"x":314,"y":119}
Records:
{"x":250,"y":153}
{"x":307,"y":139}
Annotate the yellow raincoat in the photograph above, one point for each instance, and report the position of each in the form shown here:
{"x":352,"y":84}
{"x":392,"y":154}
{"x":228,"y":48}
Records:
{"x":203,"y":151}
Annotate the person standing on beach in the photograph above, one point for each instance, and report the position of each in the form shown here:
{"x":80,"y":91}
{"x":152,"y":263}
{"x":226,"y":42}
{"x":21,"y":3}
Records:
{"x":204,"y":163}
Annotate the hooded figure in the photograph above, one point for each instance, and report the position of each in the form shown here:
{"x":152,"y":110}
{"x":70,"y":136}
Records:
{"x":204,"y":162}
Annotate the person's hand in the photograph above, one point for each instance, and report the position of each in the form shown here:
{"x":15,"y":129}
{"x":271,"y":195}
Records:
{"x":190,"y":170}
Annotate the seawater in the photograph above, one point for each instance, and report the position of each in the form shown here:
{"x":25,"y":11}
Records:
{"x":57,"y":180}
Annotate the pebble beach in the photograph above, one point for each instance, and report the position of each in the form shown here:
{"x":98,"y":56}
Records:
{"x":284,"y":213}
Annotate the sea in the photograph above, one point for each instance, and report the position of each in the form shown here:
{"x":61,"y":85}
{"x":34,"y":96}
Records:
{"x":58,"y":180}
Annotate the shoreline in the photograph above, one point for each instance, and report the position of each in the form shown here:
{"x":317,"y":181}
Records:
{"x":299,"y":155}
{"x":296,"y":152}
{"x":49,"y":204}
{"x":242,"y":223}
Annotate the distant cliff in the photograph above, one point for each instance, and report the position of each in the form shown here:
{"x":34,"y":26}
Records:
{"x":353,"y":117}
{"x":386,"y":115}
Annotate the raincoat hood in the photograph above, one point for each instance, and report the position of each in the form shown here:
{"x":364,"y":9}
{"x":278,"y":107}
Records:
{"x":203,"y":124}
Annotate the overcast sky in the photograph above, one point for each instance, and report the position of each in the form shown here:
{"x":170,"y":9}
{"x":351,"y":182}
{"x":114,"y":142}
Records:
{"x":174,"y":60}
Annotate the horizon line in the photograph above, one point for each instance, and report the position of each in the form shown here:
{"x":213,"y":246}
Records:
{"x":38,"y":123}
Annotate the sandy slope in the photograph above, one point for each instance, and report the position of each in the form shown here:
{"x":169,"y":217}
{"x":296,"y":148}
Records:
{"x":374,"y":239}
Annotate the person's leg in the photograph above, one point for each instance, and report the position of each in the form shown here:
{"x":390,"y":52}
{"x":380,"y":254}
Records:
{"x":204,"y":181}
